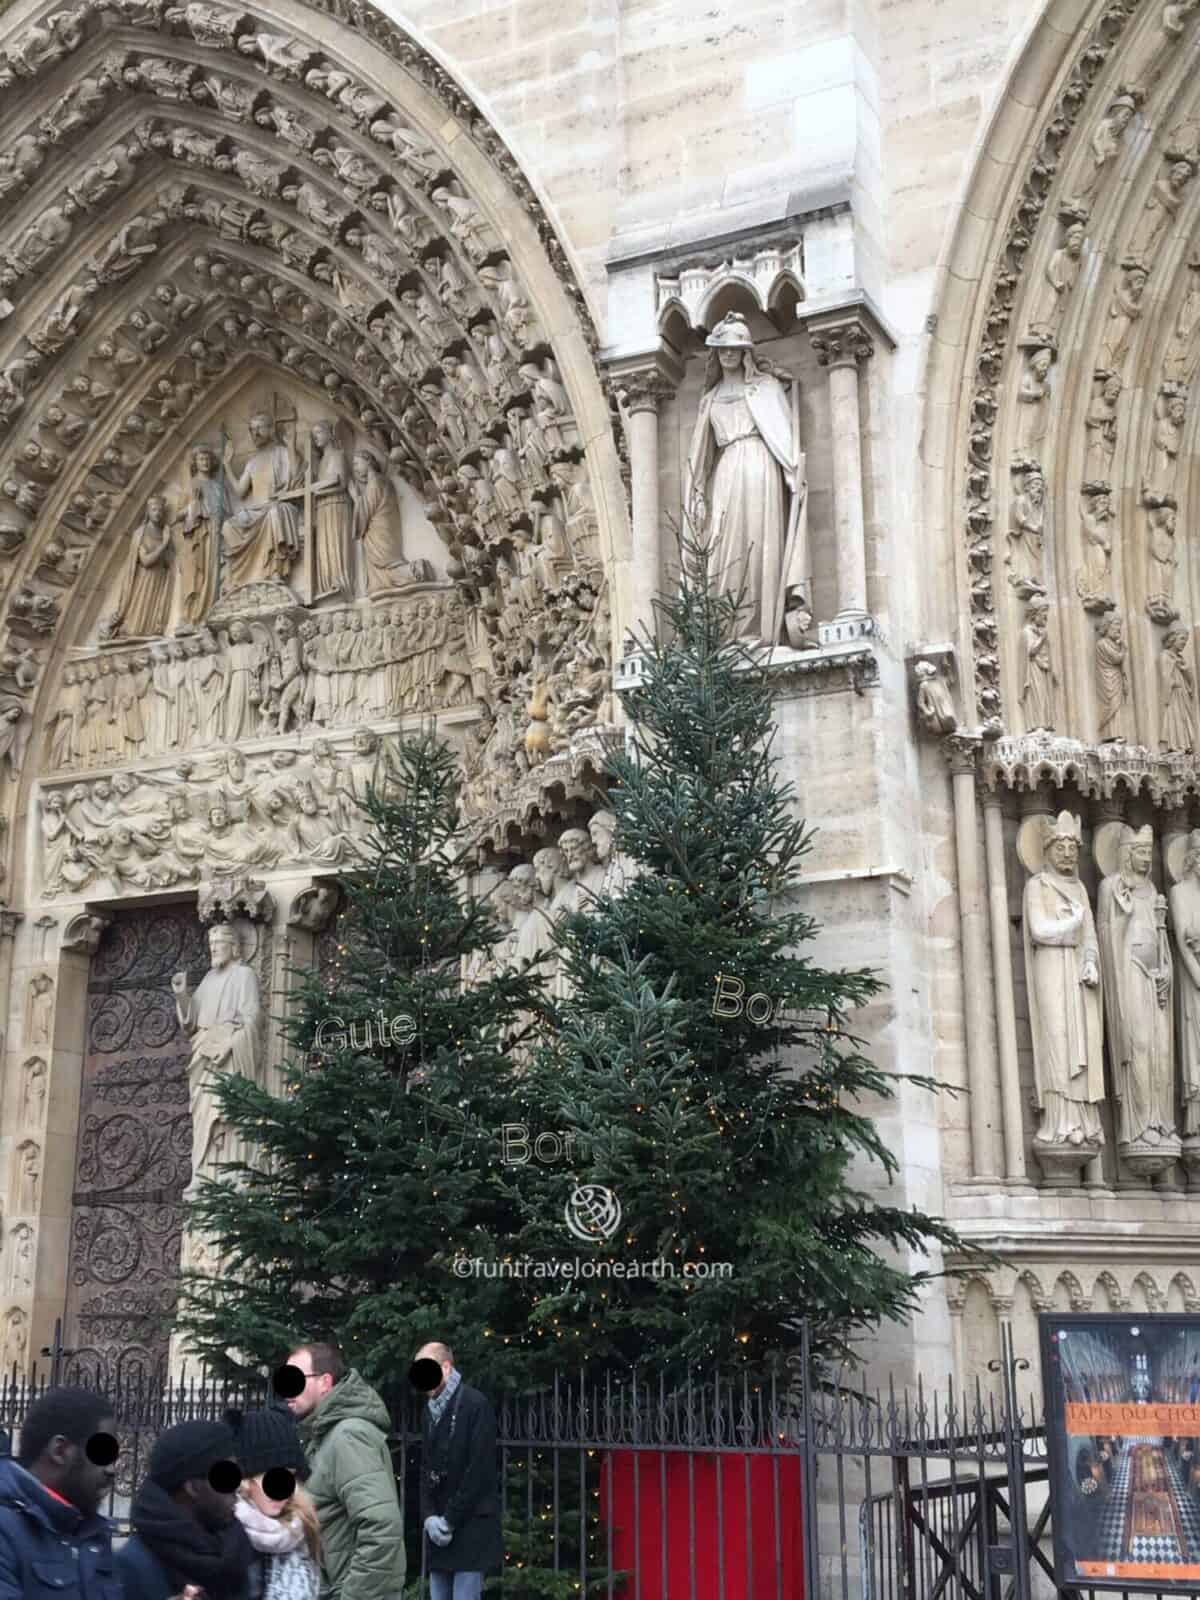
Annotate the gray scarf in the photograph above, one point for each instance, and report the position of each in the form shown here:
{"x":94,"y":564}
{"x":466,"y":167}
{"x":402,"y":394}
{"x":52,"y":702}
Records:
{"x":438,"y":1402}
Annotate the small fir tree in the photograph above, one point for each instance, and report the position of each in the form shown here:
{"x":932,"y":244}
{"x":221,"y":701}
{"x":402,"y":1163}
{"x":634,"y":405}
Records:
{"x":381,"y":1164}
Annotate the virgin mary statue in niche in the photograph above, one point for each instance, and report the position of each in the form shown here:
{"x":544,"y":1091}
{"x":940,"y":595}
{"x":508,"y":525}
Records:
{"x":745,"y":490}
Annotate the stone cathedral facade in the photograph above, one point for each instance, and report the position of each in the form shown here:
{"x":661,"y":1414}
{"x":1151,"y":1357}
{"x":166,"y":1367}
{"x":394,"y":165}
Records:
{"x":356,"y":360}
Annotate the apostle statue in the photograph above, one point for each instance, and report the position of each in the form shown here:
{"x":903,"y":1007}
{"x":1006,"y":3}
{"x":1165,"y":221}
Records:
{"x":1183,"y":861}
{"x":199,"y":529}
{"x":262,"y":537}
{"x":1062,"y":967}
{"x":144,"y":603}
{"x":1138,"y":980}
{"x":221,"y":1019}
{"x":746,"y":490}
{"x":331,"y":511}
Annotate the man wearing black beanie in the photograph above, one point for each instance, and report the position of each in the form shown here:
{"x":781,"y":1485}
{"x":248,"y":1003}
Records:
{"x":185,"y":1530}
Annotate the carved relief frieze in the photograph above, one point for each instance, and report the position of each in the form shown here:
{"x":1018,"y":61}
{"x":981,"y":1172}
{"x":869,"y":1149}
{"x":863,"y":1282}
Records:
{"x":216,"y":819}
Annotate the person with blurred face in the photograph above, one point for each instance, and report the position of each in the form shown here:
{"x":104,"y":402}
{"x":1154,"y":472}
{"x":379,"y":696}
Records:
{"x":344,"y":1426}
{"x":53,"y":1537}
{"x":278,"y":1515}
{"x":460,"y":1493}
{"x":185,"y":1528}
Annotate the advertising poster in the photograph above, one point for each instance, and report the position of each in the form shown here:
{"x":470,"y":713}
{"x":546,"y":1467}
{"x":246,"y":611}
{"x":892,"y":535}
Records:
{"x":1123,"y":1436}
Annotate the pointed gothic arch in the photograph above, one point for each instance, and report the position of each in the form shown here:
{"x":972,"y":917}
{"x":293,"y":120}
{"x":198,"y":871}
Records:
{"x":196,"y":198}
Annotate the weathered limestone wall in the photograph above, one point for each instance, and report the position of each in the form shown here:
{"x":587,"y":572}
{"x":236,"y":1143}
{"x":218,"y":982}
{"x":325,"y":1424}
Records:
{"x":645,"y":126}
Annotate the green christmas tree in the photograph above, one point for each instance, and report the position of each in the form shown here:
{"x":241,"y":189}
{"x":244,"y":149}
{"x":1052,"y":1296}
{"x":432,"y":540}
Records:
{"x":381,"y":1164}
{"x":726,"y":1138}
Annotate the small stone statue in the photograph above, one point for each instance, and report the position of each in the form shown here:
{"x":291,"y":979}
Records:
{"x":935,"y":703}
{"x":1039,"y":680}
{"x":1176,"y":692}
{"x":1112,"y":679}
{"x":797,"y":622}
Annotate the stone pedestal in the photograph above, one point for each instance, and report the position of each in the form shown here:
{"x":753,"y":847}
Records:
{"x":1061,"y":1163}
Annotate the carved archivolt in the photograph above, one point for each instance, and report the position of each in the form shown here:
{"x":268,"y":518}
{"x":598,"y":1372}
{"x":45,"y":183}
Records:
{"x":1079,"y":429}
{"x":199,"y":204}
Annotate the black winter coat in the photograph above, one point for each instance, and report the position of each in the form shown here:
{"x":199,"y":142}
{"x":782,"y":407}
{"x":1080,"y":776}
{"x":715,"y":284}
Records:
{"x":51,"y":1551}
{"x":461,"y":1450}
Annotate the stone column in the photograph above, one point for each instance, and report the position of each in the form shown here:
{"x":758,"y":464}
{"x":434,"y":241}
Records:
{"x":43,"y":1090}
{"x":977,"y":1010}
{"x":9,"y":922}
{"x":841,"y":345}
{"x":643,"y":396}
{"x":1002,"y":984}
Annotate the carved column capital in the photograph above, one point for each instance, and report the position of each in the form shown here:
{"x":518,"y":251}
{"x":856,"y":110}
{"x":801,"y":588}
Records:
{"x":846,"y":342}
{"x":9,"y":921}
{"x":646,"y":392}
{"x":962,"y":752}
{"x":644,"y":381}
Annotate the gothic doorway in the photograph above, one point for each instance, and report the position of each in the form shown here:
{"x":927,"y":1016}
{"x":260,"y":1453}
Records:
{"x":132,"y":1160}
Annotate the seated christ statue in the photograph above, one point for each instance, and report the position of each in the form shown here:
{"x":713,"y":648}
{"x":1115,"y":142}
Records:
{"x":262,"y":536}
{"x":221,"y":1020}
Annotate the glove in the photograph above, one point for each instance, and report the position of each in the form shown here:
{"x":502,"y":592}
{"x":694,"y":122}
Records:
{"x":439,"y":1530}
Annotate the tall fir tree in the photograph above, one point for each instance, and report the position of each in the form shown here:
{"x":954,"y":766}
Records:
{"x":381,"y":1163}
{"x":726,"y":1138}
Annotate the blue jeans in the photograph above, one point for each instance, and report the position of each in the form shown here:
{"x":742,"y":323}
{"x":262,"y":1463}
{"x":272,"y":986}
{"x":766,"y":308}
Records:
{"x":455,"y":1585}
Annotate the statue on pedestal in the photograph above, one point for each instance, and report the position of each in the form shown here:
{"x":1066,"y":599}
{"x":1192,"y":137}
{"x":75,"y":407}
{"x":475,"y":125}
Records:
{"x":1138,"y":982}
{"x":746,"y":490}
{"x":1062,"y":969}
{"x":221,"y":1019}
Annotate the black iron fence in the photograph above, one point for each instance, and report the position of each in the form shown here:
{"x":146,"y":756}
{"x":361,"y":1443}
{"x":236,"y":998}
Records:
{"x":714,"y":1488}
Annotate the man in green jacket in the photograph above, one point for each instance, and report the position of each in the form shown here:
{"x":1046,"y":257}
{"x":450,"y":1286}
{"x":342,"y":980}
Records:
{"x":344,"y":1427}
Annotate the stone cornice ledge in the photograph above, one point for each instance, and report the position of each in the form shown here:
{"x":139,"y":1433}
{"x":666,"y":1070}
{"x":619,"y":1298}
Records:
{"x":853,"y":665}
{"x":1104,"y":1248}
{"x":674,"y":243}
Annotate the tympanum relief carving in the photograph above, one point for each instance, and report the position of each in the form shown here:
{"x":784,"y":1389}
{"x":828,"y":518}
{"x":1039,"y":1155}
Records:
{"x":283,"y":506}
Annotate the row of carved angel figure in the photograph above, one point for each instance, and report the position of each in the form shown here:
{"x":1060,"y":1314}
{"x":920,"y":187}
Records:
{"x":152,"y":830}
